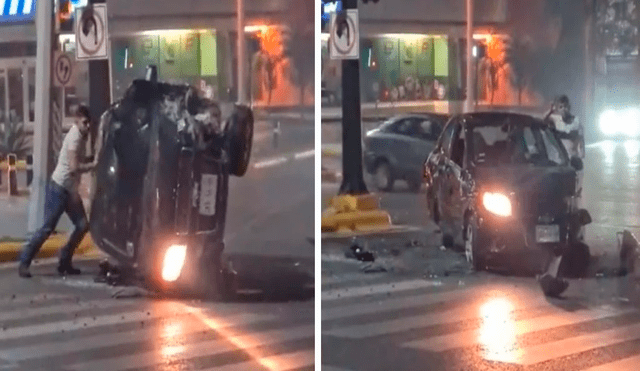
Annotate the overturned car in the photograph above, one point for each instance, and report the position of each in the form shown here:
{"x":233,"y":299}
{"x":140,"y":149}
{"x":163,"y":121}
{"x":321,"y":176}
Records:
{"x":162,"y":181}
{"x":502,"y":186}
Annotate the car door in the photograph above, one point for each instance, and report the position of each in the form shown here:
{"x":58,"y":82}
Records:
{"x":400,"y":144}
{"x":455,"y":189}
{"x":441,"y":169}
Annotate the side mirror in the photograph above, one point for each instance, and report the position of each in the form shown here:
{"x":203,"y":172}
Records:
{"x":576,"y":163}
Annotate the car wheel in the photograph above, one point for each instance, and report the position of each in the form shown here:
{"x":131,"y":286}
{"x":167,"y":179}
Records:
{"x":382,"y":177}
{"x":239,"y":138}
{"x":473,"y":245}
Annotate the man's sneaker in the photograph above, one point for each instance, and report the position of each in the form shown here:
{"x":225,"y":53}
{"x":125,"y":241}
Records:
{"x":552,"y":286}
{"x":68,"y":270}
{"x":23,"y":271}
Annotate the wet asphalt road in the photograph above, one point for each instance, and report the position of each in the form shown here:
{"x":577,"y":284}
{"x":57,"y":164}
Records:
{"x":50,"y":323}
{"x":53,"y":324}
{"x":428,"y":310}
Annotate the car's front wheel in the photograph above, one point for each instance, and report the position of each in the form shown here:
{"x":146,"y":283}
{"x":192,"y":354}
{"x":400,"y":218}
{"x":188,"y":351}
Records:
{"x":383,"y":177}
{"x":239,"y":138}
{"x":473,"y":245}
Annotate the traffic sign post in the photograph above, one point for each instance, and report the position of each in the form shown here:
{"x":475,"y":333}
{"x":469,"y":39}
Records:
{"x":96,"y":40}
{"x":344,"y":38}
{"x":92,"y":33}
{"x":64,"y":70}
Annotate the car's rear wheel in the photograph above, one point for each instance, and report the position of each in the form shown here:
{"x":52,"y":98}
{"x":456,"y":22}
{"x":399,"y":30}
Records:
{"x":383,"y":177}
{"x":239,"y":138}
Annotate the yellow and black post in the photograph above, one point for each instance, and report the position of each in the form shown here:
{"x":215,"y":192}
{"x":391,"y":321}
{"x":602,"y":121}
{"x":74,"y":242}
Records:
{"x":29,"y":170}
{"x":354,"y":209}
{"x":12,"y":176}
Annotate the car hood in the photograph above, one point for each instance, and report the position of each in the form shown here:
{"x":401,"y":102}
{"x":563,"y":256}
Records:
{"x":551,"y":181}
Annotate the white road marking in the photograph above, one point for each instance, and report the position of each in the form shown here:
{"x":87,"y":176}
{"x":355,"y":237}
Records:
{"x":284,"y":362}
{"x":206,"y":348}
{"x":353,"y":292}
{"x":275,"y":161}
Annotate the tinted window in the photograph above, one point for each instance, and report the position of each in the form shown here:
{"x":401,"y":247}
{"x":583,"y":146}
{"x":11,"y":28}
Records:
{"x":445,"y":140}
{"x":404,"y":127}
{"x":537,"y":145}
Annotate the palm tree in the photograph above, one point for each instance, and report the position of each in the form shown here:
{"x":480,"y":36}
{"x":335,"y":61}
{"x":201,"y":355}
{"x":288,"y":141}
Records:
{"x":13,"y":137}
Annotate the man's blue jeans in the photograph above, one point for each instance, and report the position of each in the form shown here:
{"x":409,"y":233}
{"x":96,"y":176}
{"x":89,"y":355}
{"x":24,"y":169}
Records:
{"x":57,"y":201}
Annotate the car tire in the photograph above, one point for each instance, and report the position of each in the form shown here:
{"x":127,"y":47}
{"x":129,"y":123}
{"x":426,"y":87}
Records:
{"x":575,"y":263}
{"x":383,"y":177}
{"x":473,"y":245}
{"x":238,"y":139}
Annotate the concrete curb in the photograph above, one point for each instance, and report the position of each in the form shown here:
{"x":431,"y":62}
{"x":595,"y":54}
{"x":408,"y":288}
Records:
{"x":10,"y":251}
{"x":331,"y":152}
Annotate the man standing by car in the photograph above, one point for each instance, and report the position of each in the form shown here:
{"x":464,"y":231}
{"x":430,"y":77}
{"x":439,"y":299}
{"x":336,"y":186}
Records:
{"x":63,"y":196}
{"x":572,"y":137}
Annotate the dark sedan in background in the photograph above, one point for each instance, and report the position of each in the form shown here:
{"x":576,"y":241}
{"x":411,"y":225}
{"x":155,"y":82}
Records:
{"x":397,"y":149}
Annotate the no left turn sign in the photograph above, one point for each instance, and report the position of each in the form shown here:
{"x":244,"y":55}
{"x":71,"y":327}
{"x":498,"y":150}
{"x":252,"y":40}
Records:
{"x":344,"y":38}
{"x":92,"y":34}
{"x":64,"y":70}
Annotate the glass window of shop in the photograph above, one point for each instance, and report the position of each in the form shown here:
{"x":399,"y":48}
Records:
{"x":406,"y":68}
{"x":181,"y":56}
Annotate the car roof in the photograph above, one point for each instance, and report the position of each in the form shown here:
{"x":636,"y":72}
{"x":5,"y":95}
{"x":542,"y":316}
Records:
{"x":498,"y":119}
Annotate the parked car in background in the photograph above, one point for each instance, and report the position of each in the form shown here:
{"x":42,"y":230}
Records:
{"x":502,"y":185}
{"x":398,"y":148}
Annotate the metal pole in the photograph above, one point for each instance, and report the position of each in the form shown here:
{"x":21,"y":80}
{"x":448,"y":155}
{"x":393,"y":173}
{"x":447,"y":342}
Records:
{"x":352,"y":180}
{"x":99,"y":87}
{"x":44,"y":28}
{"x":241,"y":51}
{"x":468,"y":103}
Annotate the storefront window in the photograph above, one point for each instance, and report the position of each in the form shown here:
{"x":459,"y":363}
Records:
{"x":32,"y":94}
{"x":16,"y":102}
{"x":189,"y":57}
{"x":3,"y":97}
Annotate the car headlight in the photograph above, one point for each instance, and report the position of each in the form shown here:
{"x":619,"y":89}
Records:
{"x":608,"y":122}
{"x":173,"y":262}
{"x":630,"y":122}
{"x":497,"y":203}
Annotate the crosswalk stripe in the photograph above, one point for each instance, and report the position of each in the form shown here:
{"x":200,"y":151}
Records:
{"x":354,"y":292}
{"x":157,"y":311}
{"x":468,"y":311}
{"x":63,"y":308}
{"x":625,"y":364}
{"x":548,"y":351}
{"x":36,"y":299}
{"x":283,"y":362}
{"x":169,"y":328}
{"x":506,"y":331}
{"x":334,"y":313}
{"x":206,"y":348}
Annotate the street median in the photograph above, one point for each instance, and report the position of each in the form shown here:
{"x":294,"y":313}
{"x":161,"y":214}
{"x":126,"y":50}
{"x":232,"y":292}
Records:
{"x":10,"y":248}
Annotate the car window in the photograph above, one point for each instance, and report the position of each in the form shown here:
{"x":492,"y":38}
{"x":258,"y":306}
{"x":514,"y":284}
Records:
{"x":536,"y":145}
{"x":403,"y":127}
{"x":445,"y":139}
{"x":458,"y":145}
{"x":429,"y":129}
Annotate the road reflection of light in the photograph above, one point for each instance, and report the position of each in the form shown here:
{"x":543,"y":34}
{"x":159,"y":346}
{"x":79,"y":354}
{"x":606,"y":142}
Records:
{"x":173,"y":339}
{"x":497,"y":335}
{"x":632,"y":147}
{"x":608,"y":148}
{"x":241,"y":341}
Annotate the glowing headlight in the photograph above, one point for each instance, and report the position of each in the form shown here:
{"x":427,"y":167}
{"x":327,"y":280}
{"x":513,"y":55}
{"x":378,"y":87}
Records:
{"x":630,"y":122}
{"x":609,"y":122}
{"x":173,"y":261}
{"x":497,"y":203}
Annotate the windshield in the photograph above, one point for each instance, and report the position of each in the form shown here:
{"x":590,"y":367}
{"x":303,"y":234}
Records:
{"x":535,"y":145}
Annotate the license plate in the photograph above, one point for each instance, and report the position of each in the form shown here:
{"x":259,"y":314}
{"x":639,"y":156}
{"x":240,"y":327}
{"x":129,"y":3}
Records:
{"x":547,"y":233}
{"x":208,"y":187}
